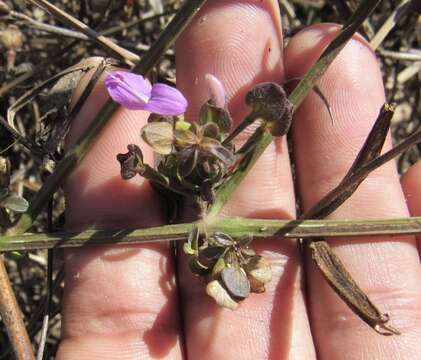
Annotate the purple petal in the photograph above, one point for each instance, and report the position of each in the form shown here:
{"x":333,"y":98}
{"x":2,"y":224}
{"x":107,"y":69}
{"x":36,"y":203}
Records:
{"x":166,"y":100}
{"x":128,"y":89}
{"x":216,"y":90}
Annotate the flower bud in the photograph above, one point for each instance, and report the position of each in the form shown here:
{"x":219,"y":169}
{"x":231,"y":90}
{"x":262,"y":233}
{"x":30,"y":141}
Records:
{"x":269,"y":101}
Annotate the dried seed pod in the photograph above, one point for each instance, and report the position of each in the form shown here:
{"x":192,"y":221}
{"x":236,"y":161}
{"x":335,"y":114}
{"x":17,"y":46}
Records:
{"x":216,"y":291}
{"x":11,"y":38}
{"x":159,"y":136}
{"x":236,"y":282}
{"x":269,"y":101}
{"x":258,"y":272}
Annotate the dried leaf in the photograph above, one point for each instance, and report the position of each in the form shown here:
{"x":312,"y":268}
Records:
{"x":197,"y":267}
{"x":216,"y":291}
{"x":212,"y":252}
{"x":186,"y":137}
{"x":218,"y":267}
{"x":221,"y":239}
{"x":159,"y":136}
{"x":259,"y":273}
{"x":15,"y":203}
{"x":212,"y":114}
{"x":215,"y":148}
{"x":187,"y":161}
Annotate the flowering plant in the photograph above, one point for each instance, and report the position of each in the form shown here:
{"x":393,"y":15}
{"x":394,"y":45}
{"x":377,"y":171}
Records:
{"x":195,"y":159}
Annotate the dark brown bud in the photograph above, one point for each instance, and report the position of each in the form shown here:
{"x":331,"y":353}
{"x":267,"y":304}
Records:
{"x":132,"y":162}
{"x":269,"y":101}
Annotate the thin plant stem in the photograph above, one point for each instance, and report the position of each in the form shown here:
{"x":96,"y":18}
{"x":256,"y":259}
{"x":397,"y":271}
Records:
{"x":12,"y":318}
{"x":233,"y":226}
{"x":403,"y":8}
{"x":126,"y":55}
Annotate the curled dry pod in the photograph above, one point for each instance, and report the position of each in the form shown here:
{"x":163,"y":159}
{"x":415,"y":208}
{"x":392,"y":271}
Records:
{"x":259,"y":273}
{"x":131,"y":163}
{"x":216,"y":291}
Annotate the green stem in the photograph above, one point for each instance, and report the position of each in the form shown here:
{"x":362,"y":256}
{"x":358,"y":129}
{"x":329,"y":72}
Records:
{"x":228,"y":187}
{"x":88,"y":138}
{"x":235,"y":227}
{"x":330,"y":53}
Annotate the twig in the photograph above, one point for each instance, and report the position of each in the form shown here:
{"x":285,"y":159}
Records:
{"x":100,"y":39}
{"x":13,"y":319}
{"x":235,"y":227}
{"x":410,"y":55}
{"x":390,"y":23}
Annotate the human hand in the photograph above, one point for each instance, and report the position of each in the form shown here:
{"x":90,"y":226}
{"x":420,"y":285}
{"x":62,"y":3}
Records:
{"x":123,"y":301}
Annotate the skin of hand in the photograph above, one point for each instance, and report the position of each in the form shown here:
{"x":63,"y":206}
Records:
{"x":123,"y":302}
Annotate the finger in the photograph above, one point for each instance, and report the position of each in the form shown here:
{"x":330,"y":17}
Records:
{"x":274,"y":324}
{"x":120,"y":301}
{"x":387,"y":268}
{"x":411,"y":184}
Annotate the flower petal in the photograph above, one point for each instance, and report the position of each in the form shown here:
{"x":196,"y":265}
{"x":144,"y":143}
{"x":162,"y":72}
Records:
{"x":130,"y":90}
{"x":166,"y":100}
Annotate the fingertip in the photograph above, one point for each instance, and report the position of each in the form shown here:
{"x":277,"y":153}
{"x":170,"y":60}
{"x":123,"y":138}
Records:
{"x":411,"y":184}
{"x":306,"y":46}
{"x":240,"y":42}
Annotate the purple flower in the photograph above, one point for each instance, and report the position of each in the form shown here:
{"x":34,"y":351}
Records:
{"x":136,"y":93}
